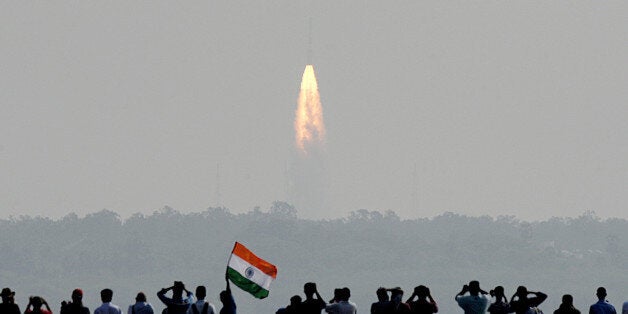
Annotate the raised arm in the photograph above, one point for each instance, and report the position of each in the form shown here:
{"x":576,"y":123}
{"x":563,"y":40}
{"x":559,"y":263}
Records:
{"x":464,"y":290}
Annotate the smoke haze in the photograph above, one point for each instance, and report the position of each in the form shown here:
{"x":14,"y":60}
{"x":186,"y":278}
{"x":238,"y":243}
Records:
{"x":504,"y":108}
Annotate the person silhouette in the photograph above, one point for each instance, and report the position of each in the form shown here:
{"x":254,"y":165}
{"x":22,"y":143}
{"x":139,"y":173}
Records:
{"x":295,"y":305}
{"x":500,"y":306}
{"x":476,"y":302}
{"x":34,"y":306}
{"x":292,"y":308}
{"x":201,"y":306}
{"x":624,"y":308}
{"x":141,"y":306}
{"x":424,"y":304}
{"x":341,"y":304}
{"x":566,"y":307}
{"x":382,"y":306}
{"x":520,"y":303}
{"x":228,"y":303}
{"x":8,"y":305}
{"x":396,"y":302}
{"x":177,"y":304}
{"x":311,"y":305}
{"x":106,"y":295}
{"x":602,"y":306}
{"x":76,"y":305}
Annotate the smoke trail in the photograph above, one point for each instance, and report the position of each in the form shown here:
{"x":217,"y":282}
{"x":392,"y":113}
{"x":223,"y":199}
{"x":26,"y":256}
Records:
{"x":308,"y":123}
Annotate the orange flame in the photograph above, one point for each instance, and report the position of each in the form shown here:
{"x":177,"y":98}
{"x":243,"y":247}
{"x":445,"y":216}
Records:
{"x":308,"y":122}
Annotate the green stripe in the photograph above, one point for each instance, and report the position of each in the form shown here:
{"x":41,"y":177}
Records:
{"x":245,"y":284}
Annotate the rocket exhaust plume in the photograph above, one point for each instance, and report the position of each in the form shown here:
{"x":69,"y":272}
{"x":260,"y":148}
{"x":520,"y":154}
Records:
{"x":308,"y":123}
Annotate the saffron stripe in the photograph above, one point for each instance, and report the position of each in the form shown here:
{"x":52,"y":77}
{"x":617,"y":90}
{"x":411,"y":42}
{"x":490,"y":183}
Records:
{"x":244,"y":253}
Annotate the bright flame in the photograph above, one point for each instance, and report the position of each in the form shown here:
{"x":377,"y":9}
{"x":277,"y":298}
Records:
{"x":308,"y":122}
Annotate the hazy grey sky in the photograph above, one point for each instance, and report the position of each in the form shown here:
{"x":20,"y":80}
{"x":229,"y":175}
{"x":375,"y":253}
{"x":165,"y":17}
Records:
{"x":502,"y":107}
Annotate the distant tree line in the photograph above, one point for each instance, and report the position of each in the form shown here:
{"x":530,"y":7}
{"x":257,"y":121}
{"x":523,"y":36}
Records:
{"x":364,"y":250}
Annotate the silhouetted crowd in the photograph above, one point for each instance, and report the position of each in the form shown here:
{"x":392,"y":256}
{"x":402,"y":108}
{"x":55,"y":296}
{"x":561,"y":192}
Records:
{"x":471,"y":299}
{"x":177,"y":303}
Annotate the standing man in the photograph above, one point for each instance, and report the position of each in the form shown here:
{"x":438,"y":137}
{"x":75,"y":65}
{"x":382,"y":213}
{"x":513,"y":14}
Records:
{"x":425,"y":303}
{"x":141,"y":305}
{"x":176,"y":305}
{"x":76,"y":306}
{"x":201,"y":306}
{"x":106,"y":295}
{"x":228,"y":303}
{"x":602,"y":306}
{"x":476,"y":302}
{"x":311,"y":305}
{"x":342,"y":305}
{"x":8,"y":305}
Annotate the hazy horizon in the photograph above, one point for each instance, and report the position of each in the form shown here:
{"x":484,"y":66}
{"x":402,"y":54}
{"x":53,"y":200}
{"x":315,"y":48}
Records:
{"x":477,"y":108}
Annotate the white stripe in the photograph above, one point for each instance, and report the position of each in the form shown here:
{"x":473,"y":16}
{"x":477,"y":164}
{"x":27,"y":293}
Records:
{"x":259,"y":277}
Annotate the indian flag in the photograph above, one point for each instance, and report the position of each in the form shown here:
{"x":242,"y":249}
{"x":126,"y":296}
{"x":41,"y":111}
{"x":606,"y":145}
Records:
{"x":249,"y":272}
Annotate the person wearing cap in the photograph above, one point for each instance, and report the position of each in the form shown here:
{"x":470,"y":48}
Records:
{"x":34,"y":306}
{"x":602,"y":306}
{"x":476,"y":302}
{"x":8,"y":305}
{"x":521,"y":302}
{"x":141,"y":306}
{"x":76,"y":305}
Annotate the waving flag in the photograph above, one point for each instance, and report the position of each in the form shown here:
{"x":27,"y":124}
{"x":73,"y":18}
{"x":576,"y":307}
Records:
{"x":249,"y":272}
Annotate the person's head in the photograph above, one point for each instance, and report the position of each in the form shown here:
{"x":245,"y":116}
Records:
{"x":309,"y":288}
{"x":140,"y":297}
{"x":345,"y":294}
{"x":36,"y":302}
{"x":498,"y":291}
{"x":567,"y":300}
{"x":7,"y":295}
{"x":177,"y":290}
{"x":77,"y":296}
{"x":224,"y":296}
{"x":474,"y":287}
{"x":106,"y":295}
{"x":522,"y":292}
{"x":201,"y":292}
{"x":422,"y":291}
{"x":396,"y":295}
{"x":382,"y":294}
{"x":337,"y":295}
{"x":295,"y":300}
{"x":601,"y":293}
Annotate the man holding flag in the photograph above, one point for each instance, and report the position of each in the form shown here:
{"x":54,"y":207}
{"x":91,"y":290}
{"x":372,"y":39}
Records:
{"x":228,"y":303}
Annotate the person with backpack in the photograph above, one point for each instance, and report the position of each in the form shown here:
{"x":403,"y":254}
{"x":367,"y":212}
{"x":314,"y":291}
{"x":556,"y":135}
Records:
{"x":201,"y":306}
{"x":140,"y":306}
